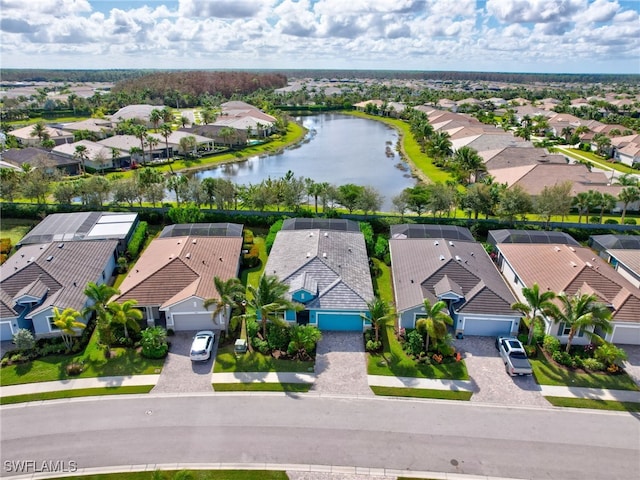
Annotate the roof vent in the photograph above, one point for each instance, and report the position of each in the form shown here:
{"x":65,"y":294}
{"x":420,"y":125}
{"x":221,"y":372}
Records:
{"x":324,"y":254}
{"x":436,"y":243}
{"x":179,"y":241}
{"x":573,"y":264}
{"x":311,"y":234}
{"x":31,"y":259}
{"x":588,"y":264}
{"x":472,"y":254}
{"x":171,"y":257}
{"x":188,"y":255}
{"x":194,"y":241}
{"x":441,"y":257}
{"x":572,"y":249}
{"x":326,"y":234}
{"x":49,"y":258}
{"x":450,"y":243}
{"x":458,"y":259}
{"x":220,"y":258}
{"x":60,"y":245}
{"x":556,"y":248}
{"x":308,"y":254}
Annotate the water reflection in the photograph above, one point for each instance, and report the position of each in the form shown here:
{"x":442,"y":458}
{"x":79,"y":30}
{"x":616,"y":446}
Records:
{"x":338,"y":149}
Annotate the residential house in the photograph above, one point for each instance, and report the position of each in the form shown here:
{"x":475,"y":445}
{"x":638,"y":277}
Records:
{"x":216,"y":134}
{"x":627,"y":263}
{"x":39,"y":157}
{"x":325,"y":265}
{"x":131,"y":143}
{"x":99,"y":127}
{"x":436,"y":264}
{"x":246,"y":117}
{"x":573,"y":269}
{"x":602,"y":243}
{"x":174,"y":275}
{"x":26,"y":137}
{"x":40,"y":277}
{"x":626,"y":149}
{"x":202,"y":143}
{"x":141,"y":113}
{"x":98,"y":156}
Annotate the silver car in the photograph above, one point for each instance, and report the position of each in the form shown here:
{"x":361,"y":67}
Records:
{"x":202,"y":345}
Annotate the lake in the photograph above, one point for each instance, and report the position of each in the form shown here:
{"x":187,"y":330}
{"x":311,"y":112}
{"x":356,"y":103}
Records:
{"x":338,"y":149}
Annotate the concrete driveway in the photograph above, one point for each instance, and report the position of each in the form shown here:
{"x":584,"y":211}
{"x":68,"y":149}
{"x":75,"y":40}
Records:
{"x":492,"y":383}
{"x":181,"y":375}
{"x":341,"y":364}
{"x":632,"y":365}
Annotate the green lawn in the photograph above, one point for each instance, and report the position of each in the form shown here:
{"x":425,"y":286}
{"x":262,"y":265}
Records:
{"x":547,"y":373}
{"x":597,"y":159}
{"x":421,"y":393}
{"x":81,"y":392}
{"x":227,"y":362}
{"x":15,"y":228}
{"x":252,"y":276}
{"x":262,"y":387}
{"x":124,"y":362}
{"x":594,"y":404}
{"x":382,"y":285}
{"x":188,"y":475}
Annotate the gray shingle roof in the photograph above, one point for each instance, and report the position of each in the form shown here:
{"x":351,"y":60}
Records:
{"x":326,"y":257}
{"x":420,"y":267}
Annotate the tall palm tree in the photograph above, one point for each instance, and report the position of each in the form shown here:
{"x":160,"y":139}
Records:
{"x":125,"y":314}
{"x":81,"y":154}
{"x":165,"y":131}
{"x":582,"y":202}
{"x":470,"y":161}
{"x":39,"y":130}
{"x":140,"y":132}
{"x":154,"y":117}
{"x":439,"y":146}
{"x":536,"y":304}
{"x":231,"y":294}
{"x":67,"y":322}
{"x":268,"y":298}
{"x":580,"y":312}
{"x":99,"y":295}
{"x":628,"y":195}
{"x":379,"y":313}
{"x":434,"y":324}
{"x":607,"y":202}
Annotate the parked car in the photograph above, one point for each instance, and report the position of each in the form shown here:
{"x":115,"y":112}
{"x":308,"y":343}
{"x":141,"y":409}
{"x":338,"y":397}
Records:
{"x":514,"y":356}
{"x":202,"y":345}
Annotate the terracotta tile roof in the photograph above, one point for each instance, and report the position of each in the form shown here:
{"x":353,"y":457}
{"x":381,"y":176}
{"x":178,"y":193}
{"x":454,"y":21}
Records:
{"x":173,"y":269}
{"x":565,"y":268}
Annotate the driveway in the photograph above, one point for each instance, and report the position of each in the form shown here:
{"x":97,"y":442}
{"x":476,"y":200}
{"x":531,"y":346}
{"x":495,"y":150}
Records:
{"x":492,"y":383}
{"x":181,"y":375}
{"x":632,"y":365}
{"x":341,"y":364}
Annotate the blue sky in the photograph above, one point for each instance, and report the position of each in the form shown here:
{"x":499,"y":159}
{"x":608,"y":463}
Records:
{"x":562,"y":36}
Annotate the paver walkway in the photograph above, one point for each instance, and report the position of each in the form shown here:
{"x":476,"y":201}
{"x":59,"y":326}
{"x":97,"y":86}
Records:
{"x":341,"y":364}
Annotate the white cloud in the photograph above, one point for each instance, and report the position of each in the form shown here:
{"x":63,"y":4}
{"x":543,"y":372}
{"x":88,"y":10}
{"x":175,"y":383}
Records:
{"x":534,"y":11}
{"x":50,"y":7}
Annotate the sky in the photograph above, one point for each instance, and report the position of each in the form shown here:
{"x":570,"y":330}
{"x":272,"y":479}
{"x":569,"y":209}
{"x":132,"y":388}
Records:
{"x":544,"y":36}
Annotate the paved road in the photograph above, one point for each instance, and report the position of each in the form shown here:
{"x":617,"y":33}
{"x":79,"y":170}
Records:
{"x":322,"y":430}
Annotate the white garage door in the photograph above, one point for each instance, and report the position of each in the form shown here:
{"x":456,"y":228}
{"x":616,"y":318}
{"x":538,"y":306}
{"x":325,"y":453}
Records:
{"x":192,"y":321}
{"x":487,"y":327}
{"x":626,"y":335}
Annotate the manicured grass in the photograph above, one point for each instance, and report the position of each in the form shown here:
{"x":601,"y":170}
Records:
{"x":394,"y":362}
{"x":421,"y":393}
{"x":188,"y":474}
{"x":252,"y":276}
{"x":596,"y":159}
{"x":262,"y":387}
{"x":382,"y":285}
{"x":15,"y":228}
{"x":594,"y":404}
{"x":547,"y":373}
{"x":53,"y":367}
{"x":226,"y":362}
{"x":81,"y":392}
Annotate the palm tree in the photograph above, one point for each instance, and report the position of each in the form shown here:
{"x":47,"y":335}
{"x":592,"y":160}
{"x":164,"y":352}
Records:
{"x":165,"y":131}
{"x":82,"y":155}
{"x":379,"y":313}
{"x":268,"y":298}
{"x":628,"y":180}
{"x":39,"y":130}
{"x":99,"y":294}
{"x":470,"y":161}
{"x":125,"y":314}
{"x":536,"y":304}
{"x":231,"y":294}
{"x":67,"y":322}
{"x":140,"y":132}
{"x":154,"y":117}
{"x":303,"y":339}
{"x":434,"y":324}
{"x":439,"y":146}
{"x":580,"y":312}
{"x":628,"y":195}
{"x":582,"y":201}
{"x":607,"y":202}
{"x":152,"y":142}
{"x":167,"y":116}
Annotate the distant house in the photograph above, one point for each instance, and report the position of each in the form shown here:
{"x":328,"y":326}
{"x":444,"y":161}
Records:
{"x":216,"y":134}
{"x":26,"y":138}
{"x":141,"y":112}
{"x":101,"y":128}
{"x":245,"y":117}
{"x":174,"y":276}
{"x":43,"y":276}
{"x":325,"y":264}
{"x":39,"y":157}
{"x":98,"y":156}
{"x":203,"y":143}
{"x":436,"y":264}
{"x":627,"y":263}
{"x":572,"y":269}
{"x":129,"y":144}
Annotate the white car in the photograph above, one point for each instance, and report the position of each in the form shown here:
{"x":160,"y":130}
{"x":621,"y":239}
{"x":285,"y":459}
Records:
{"x":202,"y":345}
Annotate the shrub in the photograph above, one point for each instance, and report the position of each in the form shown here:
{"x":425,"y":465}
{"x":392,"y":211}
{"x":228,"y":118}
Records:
{"x":532,"y":351}
{"x":277,"y":336}
{"x":629,"y":221}
{"x":367,"y":232}
{"x":5,"y":245}
{"x":373,"y":346}
{"x":23,"y":339}
{"x":593,"y":364}
{"x":609,"y":354}
{"x":381,"y":247}
{"x":551,"y":344}
{"x":271,"y":236}
{"x":74,"y":369}
{"x":137,"y":240}
{"x":252,"y":327}
{"x":51,"y":349}
{"x":260,"y":345}
{"x":248,"y":236}
{"x":611,"y":221}
{"x":563,"y":358}
{"x":252,"y":259}
{"x":414,"y":344}
{"x":154,"y":342}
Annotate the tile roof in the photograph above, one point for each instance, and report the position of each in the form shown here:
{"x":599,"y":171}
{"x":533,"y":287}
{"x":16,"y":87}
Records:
{"x":422,"y":267}
{"x":565,"y":268}
{"x":630,"y":258}
{"x":173,"y":269}
{"x":579,"y":175}
{"x":336,"y":260}
{"x":65,"y":271}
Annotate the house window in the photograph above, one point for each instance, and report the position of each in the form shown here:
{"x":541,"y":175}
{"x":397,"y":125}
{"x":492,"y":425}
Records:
{"x":52,"y":325}
{"x":565,"y":330}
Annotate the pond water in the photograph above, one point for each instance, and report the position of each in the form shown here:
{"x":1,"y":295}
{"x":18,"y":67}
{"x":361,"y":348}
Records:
{"x":338,"y":149}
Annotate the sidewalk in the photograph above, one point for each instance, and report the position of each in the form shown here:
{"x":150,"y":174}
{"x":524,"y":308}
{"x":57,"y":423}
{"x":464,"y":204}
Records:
{"x":426,"y":383}
{"x":263,"y":377}
{"x":78,"y":383}
{"x":590,"y":393}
